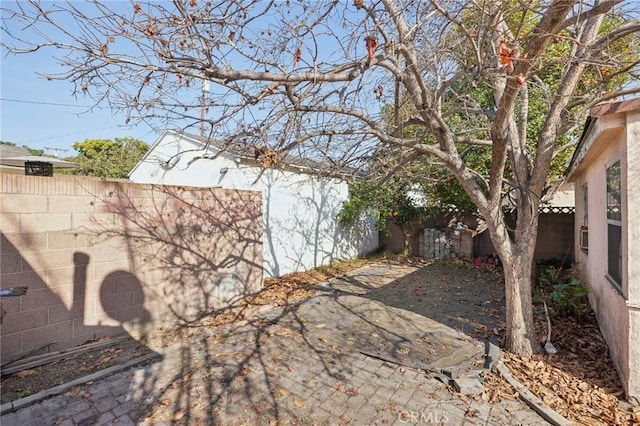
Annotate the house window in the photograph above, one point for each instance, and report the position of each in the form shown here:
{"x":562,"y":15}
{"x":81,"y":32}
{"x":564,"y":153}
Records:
{"x":614,"y":223}
{"x":584,"y":229}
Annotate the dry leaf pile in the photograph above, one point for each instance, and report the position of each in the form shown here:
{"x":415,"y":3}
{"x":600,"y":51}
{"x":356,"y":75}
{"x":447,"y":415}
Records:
{"x":284,"y":290}
{"x":276,"y":292}
{"x":579,"y":382}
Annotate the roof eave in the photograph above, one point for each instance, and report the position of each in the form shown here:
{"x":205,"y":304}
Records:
{"x":598,"y":130}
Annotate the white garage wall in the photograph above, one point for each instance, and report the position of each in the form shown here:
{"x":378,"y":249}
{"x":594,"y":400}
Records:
{"x":300,"y":227}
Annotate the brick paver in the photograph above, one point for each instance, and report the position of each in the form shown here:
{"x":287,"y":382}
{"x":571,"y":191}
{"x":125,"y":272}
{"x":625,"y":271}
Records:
{"x":272,"y":371}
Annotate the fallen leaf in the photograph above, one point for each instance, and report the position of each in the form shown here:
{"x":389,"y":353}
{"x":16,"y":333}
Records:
{"x":26,"y":373}
{"x":74,"y":391}
{"x":298,"y":402}
{"x":283,"y":392}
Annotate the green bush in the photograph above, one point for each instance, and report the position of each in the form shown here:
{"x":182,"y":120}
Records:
{"x":563,"y":290}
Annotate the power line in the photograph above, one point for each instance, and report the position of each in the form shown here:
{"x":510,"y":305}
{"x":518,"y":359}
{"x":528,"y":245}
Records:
{"x":22,"y":101}
{"x":69,"y":134}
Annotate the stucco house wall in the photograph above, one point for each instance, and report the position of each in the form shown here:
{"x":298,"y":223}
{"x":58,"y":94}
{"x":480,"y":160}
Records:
{"x":612,"y":134}
{"x":300,"y":227}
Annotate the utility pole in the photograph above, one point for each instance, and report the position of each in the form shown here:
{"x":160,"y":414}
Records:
{"x":56,"y":150}
{"x":203,"y":106}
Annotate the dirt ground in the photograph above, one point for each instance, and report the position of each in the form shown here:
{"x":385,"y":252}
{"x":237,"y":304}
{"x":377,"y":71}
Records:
{"x":29,"y":381}
{"x":579,"y":382}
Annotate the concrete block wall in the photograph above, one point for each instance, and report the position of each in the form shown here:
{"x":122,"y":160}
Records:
{"x":435,"y":244}
{"x":106,"y":258}
{"x":555,"y":236}
{"x":462,"y":243}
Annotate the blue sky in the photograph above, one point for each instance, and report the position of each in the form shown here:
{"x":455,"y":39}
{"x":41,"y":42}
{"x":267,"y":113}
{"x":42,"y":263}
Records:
{"x":27,"y":116}
{"x":45,"y":114}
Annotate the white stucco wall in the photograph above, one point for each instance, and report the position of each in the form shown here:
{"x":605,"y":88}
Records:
{"x":301,"y":231}
{"x":616,"y":308}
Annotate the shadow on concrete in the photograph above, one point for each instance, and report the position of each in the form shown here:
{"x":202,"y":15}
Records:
{"x":284,"y":364}
{"x":353,"y":355}
{"x":467,"y":299}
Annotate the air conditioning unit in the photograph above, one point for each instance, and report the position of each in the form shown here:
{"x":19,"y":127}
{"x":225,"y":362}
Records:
{"x":584,"y":238}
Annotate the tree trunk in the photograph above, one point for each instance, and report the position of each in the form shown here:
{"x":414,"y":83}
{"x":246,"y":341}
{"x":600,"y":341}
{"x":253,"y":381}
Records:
{"x":406,"y":249}
{"x":516,"y":253}
{"x":521,"y":338}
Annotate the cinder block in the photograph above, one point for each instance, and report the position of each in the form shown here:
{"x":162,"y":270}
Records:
{"x":113,"y":302}
{"x":37,"y":337}
{"x":126,"y":283}
{"x":62,"y":240}
{"x":41,"y":260}
{"x":60,"y":313}
{"x":96,"y":333}
{"x":35,"y":241}
{"x":151,"y":294}
{"x":29,"y":279}
{"x":109,"y":251}
{"x":139,"y":296}
{"x":91,"y":306}
{"x":101,"y":270}
{"x":68,"y":275}
{"x":10,"y":344}
{"x":6,"y":244}
{"x":75,"y":251}
{"x":35,"y":299}
{"x":45,"y":222}
{"x":133,"y":314}
{"x":9,"y":222}
{"x":90,"y":222}
{"x":80,"y":204}
{"x":22,"y":203}
{"x":88,"y":325}
{"x":10,"y":263}
{"x":20,"y":321}
{"x":152,"y":277}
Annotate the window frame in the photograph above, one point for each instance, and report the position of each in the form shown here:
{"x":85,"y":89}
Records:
{"x":614,"y":219}
{"x":584,"y":228}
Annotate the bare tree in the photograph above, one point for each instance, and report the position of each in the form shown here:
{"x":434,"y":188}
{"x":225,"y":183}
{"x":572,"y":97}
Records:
{"x":321,"y":79}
